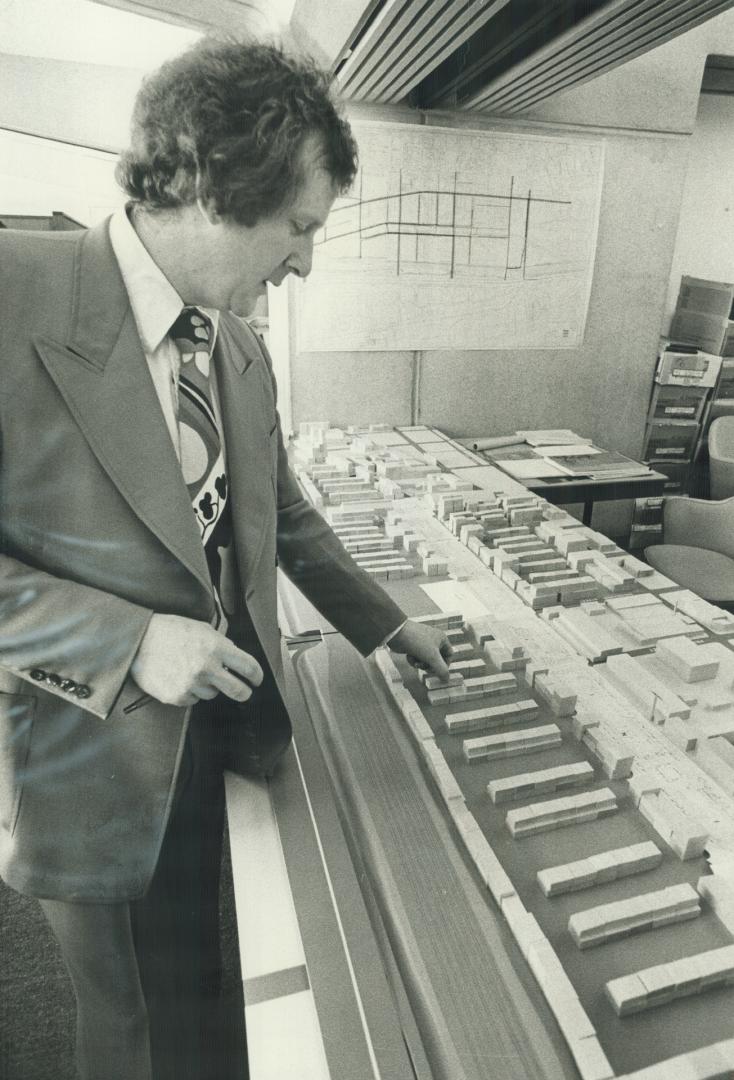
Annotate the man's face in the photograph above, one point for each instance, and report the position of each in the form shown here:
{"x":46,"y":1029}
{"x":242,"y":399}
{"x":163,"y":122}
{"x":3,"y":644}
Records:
{"x":240,"y":259}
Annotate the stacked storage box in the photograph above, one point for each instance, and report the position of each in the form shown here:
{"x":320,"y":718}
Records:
{"x":693,"y":383}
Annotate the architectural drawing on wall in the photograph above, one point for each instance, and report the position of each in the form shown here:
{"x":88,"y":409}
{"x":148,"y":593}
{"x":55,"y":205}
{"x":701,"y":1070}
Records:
{"x":451,"y":239}
{"x":449,"y":232}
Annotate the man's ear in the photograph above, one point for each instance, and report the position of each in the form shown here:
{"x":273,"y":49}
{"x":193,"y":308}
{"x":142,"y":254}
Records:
{"x":208,"y":211}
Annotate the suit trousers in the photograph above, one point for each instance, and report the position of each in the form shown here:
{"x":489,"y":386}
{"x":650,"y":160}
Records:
{"x":147,"y":974}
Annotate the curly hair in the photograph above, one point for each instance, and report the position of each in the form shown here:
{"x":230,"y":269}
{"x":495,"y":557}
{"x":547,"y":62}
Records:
{"x":226,"y":122}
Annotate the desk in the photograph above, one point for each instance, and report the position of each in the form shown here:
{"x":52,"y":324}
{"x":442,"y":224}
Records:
{"x":587,"y":491}
{"x":562,"y":491}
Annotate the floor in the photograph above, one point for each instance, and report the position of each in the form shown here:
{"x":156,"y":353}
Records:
{"x":36,"y":999}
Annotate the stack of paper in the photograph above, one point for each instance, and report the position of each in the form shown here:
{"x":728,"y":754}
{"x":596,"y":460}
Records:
{"x":552,"y":437}
{"x":601,"y":465}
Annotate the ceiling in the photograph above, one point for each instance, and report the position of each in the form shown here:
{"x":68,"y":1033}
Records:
{"x":489,"y":56}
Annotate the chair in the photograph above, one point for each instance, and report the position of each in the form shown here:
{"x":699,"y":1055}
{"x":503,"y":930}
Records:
{"x":721,"y":457}
{"x":698,"y":546}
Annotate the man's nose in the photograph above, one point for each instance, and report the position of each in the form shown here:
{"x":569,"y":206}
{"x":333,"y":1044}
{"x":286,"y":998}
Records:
{"x":301,"y":259}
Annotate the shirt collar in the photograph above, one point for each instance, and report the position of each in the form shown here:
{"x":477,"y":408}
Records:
{"x":154,"y":301}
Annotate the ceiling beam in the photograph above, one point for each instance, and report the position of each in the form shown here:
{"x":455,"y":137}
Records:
{"x":618,"y":32}
{"x":405,"y":41}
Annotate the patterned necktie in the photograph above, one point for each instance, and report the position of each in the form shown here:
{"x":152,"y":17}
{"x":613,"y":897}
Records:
{"x":202,"y":461}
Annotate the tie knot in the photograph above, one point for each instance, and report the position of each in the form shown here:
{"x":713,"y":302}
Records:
{"x":193,"y":333}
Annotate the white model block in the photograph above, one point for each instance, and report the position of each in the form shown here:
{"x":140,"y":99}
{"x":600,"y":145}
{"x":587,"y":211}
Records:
{"x":719,"y":892}
{"x":591,"y":1061}
{"x":644,"y":691}
{"x":713,"y":618}
{"x":466,"y":532}
{"x":627,"y":994}
{"x":693,"y":663}
{"x":555,"y":693}
{"x":475,"y":543}
{"x":367,"y":545}
{"x":557,"y":813}
{"x":440,"y":771}
{"x":531,"y":672}
{"x":681,"y":735}
{"x":491,"y":716}
{"x":449,"y":503}
{"x":511,"y":743}
{"x":677,"y":829}
{"x":505,"y":561}
{"x":497,"y":536}
{"x":501,"y":657}
{"x":524,"y":926}
{"x":489,"y":867}
{"x":513,"y":546}
{"x":457,"y":518}
{"x":535,"y":566}
{"x":471,"y":667}
{"x":643,"y":783}
{"x":433,"y":682}
{"x":615,"y":756}
{"x":461,"y":650}
{"x":578,"y":590}
{"x":636,"y":600}
{"x":445,"y":620}
{"x":635,"y":567}
{"x":570,"y":540}
{"x":391,"y":571}
{"x":387,"y":666}
{"x":622,"y":917}
{"x":581,"y":721}
{"x":447,"y":694}
{"x":587,"y":635}
{"x":378,"y":558}
{"x":415,"y":719}
{"x":548,"y":530}
{"x":662,"y":983}
{"x":525,"y":515}
{"x":597,"y":869}
{"x":540,"y":781}
{"x":486,"y":685}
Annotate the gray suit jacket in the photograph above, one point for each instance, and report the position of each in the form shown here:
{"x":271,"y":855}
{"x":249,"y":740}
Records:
{"x":96,"y":533}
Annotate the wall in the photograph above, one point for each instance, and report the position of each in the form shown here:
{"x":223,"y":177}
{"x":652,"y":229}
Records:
{"x":644,"y":113}
{"x":705,"y":243}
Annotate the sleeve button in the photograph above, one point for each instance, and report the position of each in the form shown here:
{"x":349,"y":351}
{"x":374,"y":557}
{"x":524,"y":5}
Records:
{"x":68,"y":686}
{"x":53,"y":679}
{"x":38,"y":674}
{"x":83,"y":691}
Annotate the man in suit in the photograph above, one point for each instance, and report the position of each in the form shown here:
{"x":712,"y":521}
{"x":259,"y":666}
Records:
{"x":146,"y":500}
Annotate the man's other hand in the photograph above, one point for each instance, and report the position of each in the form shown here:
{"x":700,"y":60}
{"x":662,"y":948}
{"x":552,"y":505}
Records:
{"x":181,"y":661}
{"x":425,"y":646}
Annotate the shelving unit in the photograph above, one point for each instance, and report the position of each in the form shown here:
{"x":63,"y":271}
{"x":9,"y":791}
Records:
{"x":693,"y":384}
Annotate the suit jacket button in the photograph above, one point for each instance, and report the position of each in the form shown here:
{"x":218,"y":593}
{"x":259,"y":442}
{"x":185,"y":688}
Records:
{"x":53,"y":679}
{"x":38,"y":674}
{"x":83,"y":691}
{"x":68,"y":685}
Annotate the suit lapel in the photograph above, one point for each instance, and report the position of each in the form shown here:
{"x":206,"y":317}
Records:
{"x":104,"y":379}
{"x":245,"y":416}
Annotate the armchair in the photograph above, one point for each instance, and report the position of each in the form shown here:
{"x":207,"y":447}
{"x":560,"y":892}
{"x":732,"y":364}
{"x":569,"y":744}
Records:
{"x":698,"y":547}
{"x":721,"y":457}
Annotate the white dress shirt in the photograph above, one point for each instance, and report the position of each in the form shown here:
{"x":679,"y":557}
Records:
{"x":156,"y":305}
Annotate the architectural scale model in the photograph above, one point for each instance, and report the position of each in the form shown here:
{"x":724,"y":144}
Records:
{"x":590,"y":705}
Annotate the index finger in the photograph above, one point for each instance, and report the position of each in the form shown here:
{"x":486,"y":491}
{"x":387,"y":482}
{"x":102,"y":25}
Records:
{"x":241,"y":663}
